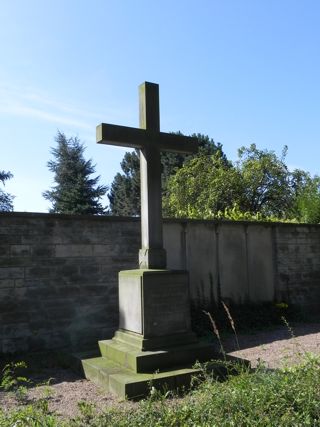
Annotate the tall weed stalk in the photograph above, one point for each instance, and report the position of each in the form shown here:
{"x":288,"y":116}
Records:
{"x":215,"y":331}
{"x":232,"y":324}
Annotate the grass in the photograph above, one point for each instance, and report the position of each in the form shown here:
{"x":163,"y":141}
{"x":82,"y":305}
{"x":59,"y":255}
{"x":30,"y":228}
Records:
{"x":285,"y":397}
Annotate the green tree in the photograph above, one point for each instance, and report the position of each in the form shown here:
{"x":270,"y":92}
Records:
{"x":266,"y":181}
{"x":202,"y":188}
{"x":75,"y":192}
{"x":258,"y":185}
{"x":124,"y":195}
{"x":6,"y":199}
{"x":306,"y":205}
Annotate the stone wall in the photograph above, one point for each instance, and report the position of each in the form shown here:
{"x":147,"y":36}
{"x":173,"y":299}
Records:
{"x":298,"y":265}
{"x":231,"y":260}
{"x":58,"y":278}
{"x":58,"y":273}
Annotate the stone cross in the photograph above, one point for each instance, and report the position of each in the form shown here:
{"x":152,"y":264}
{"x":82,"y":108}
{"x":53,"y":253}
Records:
{"x":150,"y":141}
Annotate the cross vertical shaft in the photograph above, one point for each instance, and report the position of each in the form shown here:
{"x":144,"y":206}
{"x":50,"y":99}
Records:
{"x":154,"y":308}
{"x":150,"y":141}
{"x":152,"y":253}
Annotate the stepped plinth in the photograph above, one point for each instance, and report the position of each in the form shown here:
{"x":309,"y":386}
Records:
{"x":154,"y":342}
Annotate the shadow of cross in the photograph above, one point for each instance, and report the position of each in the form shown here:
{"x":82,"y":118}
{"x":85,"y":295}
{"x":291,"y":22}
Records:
{"x":150,"y":141}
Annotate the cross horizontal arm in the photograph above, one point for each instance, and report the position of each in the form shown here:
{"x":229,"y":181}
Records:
{"x":125,"y":136}
{"x":177,"y":143}
{"x":122,"y":136}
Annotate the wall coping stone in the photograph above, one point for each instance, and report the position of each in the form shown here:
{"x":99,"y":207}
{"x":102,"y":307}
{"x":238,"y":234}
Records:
{"x":183,"y":221}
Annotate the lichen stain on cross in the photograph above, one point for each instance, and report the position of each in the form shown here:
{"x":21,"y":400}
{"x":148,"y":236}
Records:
{"x":150,"y":141}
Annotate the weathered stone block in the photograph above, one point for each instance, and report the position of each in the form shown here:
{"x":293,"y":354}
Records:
{"x":19,"y":283}
{"x":202,"y":239}
{"x":4,"y":249}
{"x":11,"y":272}
{"x":153,"y":304}
{"x":102,"y":250}
{"x":37,"y":272}
{"x":40,"y":250}
{"x":13,"y":316}
{"x":72,"y":250}
{"x":6,"y":283}
{"x":17,"y":330}
{"x":20,"y":250}
{"x":13,"y":345}
{"x":233,"y":257}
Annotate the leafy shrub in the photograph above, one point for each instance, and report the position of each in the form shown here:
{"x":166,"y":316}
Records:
{"x":11,"y":380}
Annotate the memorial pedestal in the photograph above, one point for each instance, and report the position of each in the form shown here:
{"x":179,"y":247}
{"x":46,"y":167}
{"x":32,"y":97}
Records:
{"x":154,"y":333}
{"x":154,"y":308}
{"x":154,"y":341}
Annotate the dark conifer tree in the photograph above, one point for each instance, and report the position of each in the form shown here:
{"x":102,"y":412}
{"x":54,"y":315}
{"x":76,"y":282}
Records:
{"x":6,"y":199}
{"x":74,"y":191}
{"x":124,"y":195}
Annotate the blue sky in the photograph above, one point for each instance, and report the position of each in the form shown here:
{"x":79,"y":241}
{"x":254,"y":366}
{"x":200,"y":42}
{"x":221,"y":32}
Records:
{"x":240,"y":71}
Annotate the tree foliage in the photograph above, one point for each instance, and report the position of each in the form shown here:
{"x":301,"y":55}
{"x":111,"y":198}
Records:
{"x":258,"y":186}
{"x":6,"y":199}
{"x":266,"y":181}
{"x":306,"y":206}
{"x":189,"y":190}
{"x":124,"y":195}
{"x":74,"y":191}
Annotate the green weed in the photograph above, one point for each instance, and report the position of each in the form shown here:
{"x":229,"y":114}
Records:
{"x":11,"y":379}
{"x":284,"y":397}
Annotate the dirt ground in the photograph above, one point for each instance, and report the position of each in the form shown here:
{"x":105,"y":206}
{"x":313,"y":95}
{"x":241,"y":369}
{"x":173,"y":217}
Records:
{"x":64,"y":389}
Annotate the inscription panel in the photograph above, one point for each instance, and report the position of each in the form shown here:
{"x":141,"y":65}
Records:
{"x":165,"y":304}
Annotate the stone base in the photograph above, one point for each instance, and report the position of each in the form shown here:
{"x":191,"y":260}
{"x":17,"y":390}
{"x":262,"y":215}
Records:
{"x":140,"y":342}
{"x":152,"y":361}
{"x":127,"y":384}
{"x":154,"y":343}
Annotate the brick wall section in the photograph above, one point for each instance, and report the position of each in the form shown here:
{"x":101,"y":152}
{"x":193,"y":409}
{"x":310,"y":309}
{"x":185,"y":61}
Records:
{"x":58,"y":278}
{"x":298,"y":265}
{"x":58,"y":273}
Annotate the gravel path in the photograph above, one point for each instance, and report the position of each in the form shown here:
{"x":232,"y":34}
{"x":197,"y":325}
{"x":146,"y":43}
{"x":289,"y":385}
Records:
{"x":274,"y":347}
{"x":277,"y":347}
